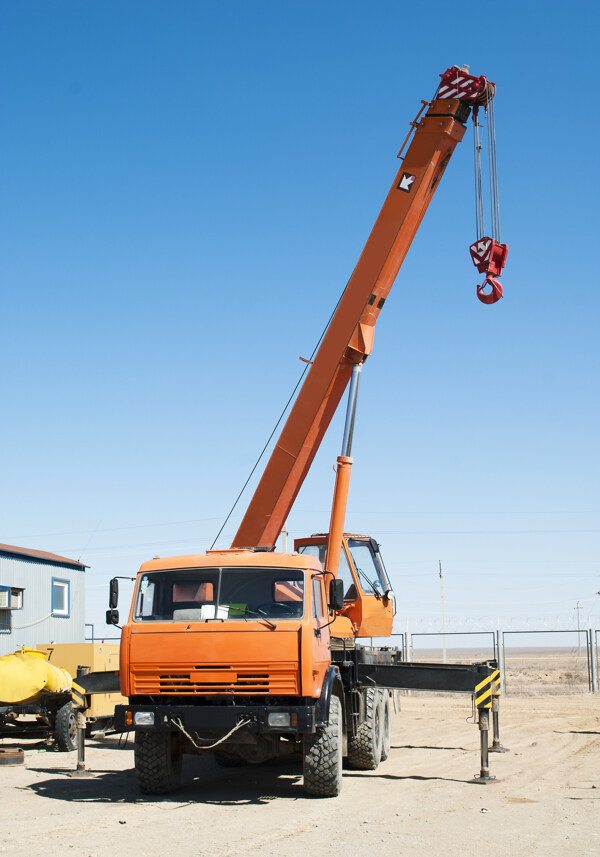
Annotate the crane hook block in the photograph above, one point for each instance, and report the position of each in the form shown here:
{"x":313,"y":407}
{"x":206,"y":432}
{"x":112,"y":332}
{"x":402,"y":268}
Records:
{"x":489,"y":256}
{"x":494,"y":295}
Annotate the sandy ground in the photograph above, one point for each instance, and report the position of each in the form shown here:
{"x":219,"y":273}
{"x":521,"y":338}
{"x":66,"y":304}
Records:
{"x":419,"y":801}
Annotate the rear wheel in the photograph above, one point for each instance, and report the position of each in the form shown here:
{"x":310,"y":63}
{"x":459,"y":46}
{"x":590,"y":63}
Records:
{"x":322,"y":755}
{"x":364,"y":749}
{"x":386,"y":725}
{"x":158,"y":758}
{"x":65,"y":728}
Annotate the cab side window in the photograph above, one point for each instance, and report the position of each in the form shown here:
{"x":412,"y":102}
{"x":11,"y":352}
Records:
{"x":317,"y":588}
{"x":345,"y":575}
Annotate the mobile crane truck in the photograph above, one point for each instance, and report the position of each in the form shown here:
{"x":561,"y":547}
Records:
{"x":252,"y":654}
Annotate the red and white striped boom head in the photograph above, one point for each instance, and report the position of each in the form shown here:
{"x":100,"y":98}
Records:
{"x":458,"y":83}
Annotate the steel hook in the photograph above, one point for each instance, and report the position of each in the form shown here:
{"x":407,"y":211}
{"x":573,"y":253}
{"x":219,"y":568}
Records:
{"x":490,"y":297}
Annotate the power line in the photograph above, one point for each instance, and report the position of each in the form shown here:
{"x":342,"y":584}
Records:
{"x":117,"y":529}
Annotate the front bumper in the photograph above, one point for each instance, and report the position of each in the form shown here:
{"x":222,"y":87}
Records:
{"x":218,"y":720}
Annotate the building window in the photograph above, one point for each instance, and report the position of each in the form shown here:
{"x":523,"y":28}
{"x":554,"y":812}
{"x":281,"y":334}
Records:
{"x":60,"y":597}
{"x":11,"y":598}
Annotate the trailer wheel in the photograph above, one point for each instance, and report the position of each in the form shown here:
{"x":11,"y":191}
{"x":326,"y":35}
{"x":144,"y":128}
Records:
{"x":65,"y":728}
{"x":158,"y":757}
{"x":364,"y":749}
{"x":386,"y":725}
{"x":322,"y":755}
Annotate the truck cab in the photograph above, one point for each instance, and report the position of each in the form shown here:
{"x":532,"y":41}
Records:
{"x":234,"y":623}
{"x":368,"y":609}
{"x":231,"y":652}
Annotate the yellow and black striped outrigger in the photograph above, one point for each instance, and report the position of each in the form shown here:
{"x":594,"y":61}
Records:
{"x":88,"y":683}
{"x":78,"y":697}
{"x":481,"y":680}
{"x":486,"y":689}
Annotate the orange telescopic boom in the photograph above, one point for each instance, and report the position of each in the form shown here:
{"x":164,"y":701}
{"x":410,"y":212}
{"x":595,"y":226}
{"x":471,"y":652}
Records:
{"x":349,"y":336}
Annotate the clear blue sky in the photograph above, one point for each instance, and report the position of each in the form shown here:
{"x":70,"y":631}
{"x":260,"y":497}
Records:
{"x":186,"y":187}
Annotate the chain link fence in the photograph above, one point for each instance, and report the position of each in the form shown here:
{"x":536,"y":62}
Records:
{"x":532,"y":662}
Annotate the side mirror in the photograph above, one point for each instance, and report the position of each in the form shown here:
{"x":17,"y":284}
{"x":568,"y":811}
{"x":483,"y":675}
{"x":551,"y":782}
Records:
{"x":112,"y":617}
{"x":336,"y":594}
{"x":113,"y":598}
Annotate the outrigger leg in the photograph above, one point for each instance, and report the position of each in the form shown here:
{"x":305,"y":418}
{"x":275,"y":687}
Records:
{"x":496,"y":745}
{"x":482,"y":699}
{"x":79,"y":703}
{"x":484,"y":777}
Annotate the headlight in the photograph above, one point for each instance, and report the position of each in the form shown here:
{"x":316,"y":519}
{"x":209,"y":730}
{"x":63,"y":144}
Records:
{"x":279,"y":718}
{"x":143,"y":718}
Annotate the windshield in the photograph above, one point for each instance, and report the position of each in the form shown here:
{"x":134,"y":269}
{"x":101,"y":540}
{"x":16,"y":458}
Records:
{"x":200,"y":594}
{"x":366,"y":566}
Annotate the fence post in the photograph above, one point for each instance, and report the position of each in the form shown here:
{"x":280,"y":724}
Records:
{"x":501,"y":661}
{"x":592,"y":662}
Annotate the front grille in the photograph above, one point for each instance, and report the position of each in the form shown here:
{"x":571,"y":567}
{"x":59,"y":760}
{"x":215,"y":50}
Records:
{"x":273,"y":679}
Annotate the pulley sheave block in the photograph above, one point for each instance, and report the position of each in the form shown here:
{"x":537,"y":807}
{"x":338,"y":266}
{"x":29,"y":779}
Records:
{"x":489,"y":256}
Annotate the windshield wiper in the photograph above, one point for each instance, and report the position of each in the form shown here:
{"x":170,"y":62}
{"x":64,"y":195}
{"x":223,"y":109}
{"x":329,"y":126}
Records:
{"x":258,"y":613}
{"x":371,"y":583}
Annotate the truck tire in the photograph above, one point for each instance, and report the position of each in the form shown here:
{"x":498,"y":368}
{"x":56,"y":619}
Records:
{"x":386,"y":725}
{"x":158,"y":758}
{"x":322,"y":755}
{"x":364,"y":749}
{"x":65,"y":728}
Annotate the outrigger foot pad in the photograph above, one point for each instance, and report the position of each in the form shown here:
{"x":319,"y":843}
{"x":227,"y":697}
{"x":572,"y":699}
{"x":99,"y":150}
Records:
{"x":484,"y":781}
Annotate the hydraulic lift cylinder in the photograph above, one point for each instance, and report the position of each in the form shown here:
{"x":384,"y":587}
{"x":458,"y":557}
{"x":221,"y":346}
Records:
{"x":342,"y":479}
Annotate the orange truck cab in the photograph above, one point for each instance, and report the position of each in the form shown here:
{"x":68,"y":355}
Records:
{"x":233,"y":623}
{"x":238,"y":647}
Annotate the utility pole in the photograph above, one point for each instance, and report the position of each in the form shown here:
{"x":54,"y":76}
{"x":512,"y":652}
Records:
{"x":443,"y":615}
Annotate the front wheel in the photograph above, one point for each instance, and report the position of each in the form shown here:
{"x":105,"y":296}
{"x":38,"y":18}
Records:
{"x":322,"y":755}
{"x":158,"y":758}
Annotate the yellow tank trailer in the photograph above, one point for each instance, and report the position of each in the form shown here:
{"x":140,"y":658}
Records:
{"x":26,"y":676}
{"x":35,"y":699}
{"x":38,"y":682}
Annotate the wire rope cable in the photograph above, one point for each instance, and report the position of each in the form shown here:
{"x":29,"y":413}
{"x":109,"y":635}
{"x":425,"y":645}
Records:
{"x":276,"y":426}
{"x":495,"y":199}
{"x":487,"y":102}
{"x":479,"y":209}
